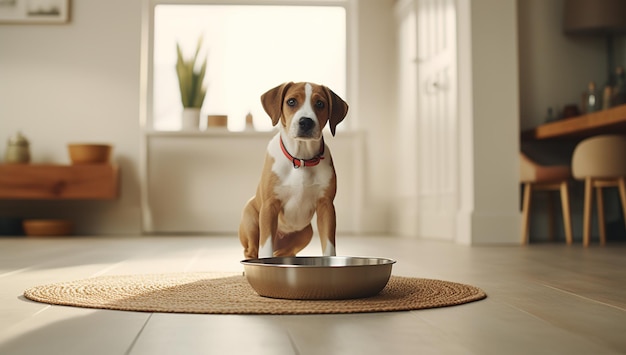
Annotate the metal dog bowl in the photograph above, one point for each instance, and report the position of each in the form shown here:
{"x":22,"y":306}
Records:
{"x":318,"y":278}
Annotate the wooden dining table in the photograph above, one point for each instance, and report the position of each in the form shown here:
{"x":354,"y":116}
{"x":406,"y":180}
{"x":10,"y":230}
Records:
{"x":607,"y":121}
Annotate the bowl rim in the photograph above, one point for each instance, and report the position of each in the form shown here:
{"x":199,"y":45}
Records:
{"x":262,"y":262}
{"x":89,"y":145}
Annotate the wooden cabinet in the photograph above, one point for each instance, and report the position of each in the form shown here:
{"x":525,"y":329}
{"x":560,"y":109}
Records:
{"x":48,"y":181}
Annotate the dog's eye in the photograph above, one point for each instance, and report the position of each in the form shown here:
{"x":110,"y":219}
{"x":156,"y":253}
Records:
{"x":292,"y":102}
{"x":320,"y":104}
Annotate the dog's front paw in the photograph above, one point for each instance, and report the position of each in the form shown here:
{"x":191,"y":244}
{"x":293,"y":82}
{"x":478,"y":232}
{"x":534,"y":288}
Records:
{"x":330,"y":250}
{"x":266,"y":251}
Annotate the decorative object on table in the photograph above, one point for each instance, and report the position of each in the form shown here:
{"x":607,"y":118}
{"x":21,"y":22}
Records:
{"x":615,"y":95}
{"x":88,"y":153}
{"x":190,"y":74}
{"x":217,"y":121}
{"x":551,"y":116}
{"x":597,"y":18}
{"x":190,"y":118}
{"x":35,"y":12}
{"x":570,"y":110}
{"x":48,"y":227}
{"x":607,"y":97}
{"x":18,"y":150}
{"x":619,"y":89}
{"x":249,"y":122}
{"x":591,"y":102}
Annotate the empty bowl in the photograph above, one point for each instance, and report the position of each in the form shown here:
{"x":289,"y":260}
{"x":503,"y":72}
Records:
{"x":85,"y":153}
{"x":317,"y":278}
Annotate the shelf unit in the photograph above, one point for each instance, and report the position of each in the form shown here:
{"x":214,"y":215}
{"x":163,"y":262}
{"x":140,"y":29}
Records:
{"x":57,"y":182}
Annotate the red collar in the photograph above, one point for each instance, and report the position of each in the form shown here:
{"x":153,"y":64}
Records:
{"x":297,"y":162}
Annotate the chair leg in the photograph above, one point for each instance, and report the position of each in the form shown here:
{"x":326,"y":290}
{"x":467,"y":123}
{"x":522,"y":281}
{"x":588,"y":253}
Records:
{"x":551,"y":217}
{"x":587,"y":211}
{"x":526,"y":211}
{"x":601,"y":224}
{"x":621,"y":183}
{"x":567,"y":217}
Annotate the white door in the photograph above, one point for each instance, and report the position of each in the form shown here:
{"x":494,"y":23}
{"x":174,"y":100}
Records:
{"x":437,"y":119}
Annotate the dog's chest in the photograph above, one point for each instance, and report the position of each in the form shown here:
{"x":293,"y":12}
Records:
{"x":299,"y":189}
{"x":303,"y":184}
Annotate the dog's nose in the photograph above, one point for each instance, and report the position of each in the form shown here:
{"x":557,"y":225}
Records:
{"x":306,"y":124}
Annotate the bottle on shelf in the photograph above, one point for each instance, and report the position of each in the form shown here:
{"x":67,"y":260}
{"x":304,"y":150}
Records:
{"x":592,"y":102}
{"x":249,"y":122}
{"x":550,"y":116}
{"x":619,"y":90}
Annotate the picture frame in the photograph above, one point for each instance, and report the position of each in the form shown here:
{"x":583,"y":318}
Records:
{"x":34,"y":11}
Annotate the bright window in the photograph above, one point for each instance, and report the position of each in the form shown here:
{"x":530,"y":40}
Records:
{"x":249,"y":49}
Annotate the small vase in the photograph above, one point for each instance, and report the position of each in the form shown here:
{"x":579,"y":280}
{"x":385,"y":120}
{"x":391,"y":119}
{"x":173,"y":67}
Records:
{"x":191,"y":118}
{"x":18,"y":151}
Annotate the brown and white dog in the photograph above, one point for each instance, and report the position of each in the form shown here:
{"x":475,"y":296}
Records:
{"x":298,"y":177}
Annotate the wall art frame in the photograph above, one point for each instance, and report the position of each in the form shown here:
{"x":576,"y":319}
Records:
{"x":34,"y":11}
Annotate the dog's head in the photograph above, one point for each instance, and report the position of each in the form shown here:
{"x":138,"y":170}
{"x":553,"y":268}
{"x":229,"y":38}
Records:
{"x":304,"y":108}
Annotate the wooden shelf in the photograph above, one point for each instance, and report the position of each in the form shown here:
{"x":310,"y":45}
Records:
{"x":51,"y":182}
{"x":612,"y":120}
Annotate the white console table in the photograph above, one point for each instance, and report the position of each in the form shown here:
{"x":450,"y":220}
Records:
{"x":198,"y":182}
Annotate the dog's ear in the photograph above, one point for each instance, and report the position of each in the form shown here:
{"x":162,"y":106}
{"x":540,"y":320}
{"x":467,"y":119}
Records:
{"x":337,"y":111}
{"x":273,"y":101}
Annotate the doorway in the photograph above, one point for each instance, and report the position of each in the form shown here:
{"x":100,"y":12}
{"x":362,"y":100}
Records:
{"x":428,"y":119}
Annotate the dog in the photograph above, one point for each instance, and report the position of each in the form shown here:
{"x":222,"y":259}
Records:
{"x":298,"y":178}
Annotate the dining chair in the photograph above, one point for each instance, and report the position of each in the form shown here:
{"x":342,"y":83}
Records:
{"x":537,"y":177}
{"x":601,"y":162}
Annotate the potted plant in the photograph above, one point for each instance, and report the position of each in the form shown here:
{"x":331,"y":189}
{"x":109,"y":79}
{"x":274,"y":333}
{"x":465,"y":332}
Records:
{"x":190,"y":74}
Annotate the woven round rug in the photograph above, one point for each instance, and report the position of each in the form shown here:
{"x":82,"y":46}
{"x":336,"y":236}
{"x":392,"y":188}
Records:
{"x":204,"y":293}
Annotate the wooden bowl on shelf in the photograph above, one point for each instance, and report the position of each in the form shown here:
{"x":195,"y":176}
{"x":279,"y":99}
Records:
{"x":48,"y":227}
{"x":86,"y":153}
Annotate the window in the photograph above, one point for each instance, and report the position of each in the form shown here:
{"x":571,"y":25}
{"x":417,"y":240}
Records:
{"x":249,"y":50}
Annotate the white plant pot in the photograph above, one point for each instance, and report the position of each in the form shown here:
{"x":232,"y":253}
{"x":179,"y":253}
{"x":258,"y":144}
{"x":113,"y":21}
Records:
{"x":191,"y":119}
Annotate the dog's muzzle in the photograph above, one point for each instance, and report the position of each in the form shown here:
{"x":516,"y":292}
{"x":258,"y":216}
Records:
{"x":305,"y":127}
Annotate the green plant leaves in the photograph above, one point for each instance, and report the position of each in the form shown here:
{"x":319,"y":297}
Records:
{"x":190,"y":80}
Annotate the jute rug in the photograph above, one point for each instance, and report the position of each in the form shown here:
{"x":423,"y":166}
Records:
{"x":204,"y":293}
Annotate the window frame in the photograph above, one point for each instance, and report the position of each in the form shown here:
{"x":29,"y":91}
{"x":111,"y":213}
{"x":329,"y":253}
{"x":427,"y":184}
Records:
{"x":147,"y":49}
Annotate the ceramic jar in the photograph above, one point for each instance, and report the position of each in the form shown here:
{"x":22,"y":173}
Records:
{"x":18,"y":150}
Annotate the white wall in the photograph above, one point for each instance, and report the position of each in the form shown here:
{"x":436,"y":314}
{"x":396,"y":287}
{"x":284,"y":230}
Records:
{"x":489,"y":116}
{"x":376,"y":111}
{"x":76,"y":82}
{"x":80,"y":82}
